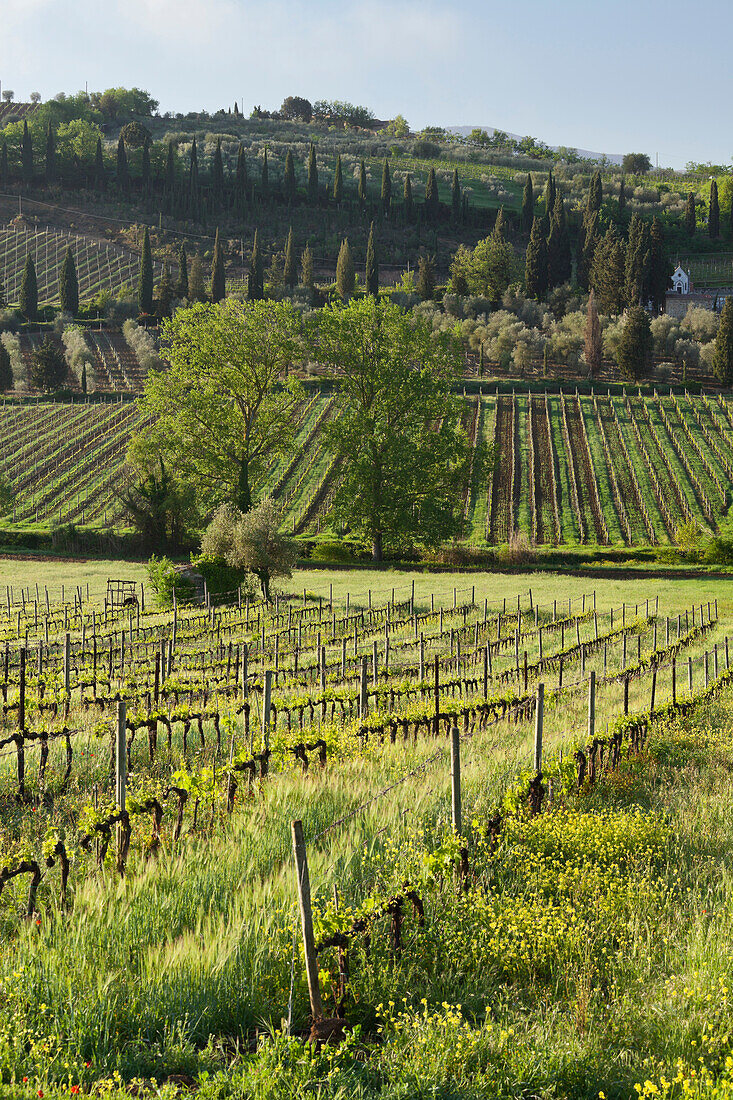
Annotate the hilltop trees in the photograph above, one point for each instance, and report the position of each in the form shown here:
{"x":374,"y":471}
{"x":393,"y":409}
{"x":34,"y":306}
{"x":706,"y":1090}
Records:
{"x":400,"y":485}
{"x":219,"y":413}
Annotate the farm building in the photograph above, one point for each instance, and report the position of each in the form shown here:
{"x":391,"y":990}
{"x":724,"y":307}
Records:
{"x":682,"y":295}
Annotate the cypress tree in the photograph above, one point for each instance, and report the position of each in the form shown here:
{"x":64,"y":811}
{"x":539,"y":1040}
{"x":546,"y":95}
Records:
{"x":165,"y":293}
{"x":559,"y":256}
{"x":536,"y":264}
{"x":170,"y":169}
{"x":635,"y":346}
{"x":145,"y":280}
{"x":242,"y":179}
{"x":455,"y":196}
{"x":595,"y":193}
{"x":499,"y":230}
{"x":587,"y":247}
{"x":290,"y":268}
{"x":622,"y":195}
{"x":637,"y":262}
{"x":6,"y":369}
{"x":100,"y":172}
{"x":607,"y":276}
{"x":193,"y":181}
{"x":338,"y":181}
{"x":659,"y":266}
{"x":714,"y":213}
{"x":218,"y":277}
{"x":122,"y":171}
{"x":730,"y":219}
{"x":362,"y":184}
{"x":69,"y":285}
{"x":593,"y":339}
{"x":312,"y":175}
{"x":196,"y":288}
{"x":264,"y":178}
{"x":4,"y":172}
{"x":50,"y":154}
{"x":255,"y":280}
{"x":386,"y":186}
{"x":3,"y":297}
{"x":690,"y":215}
{"x":145,"y":175}
{"x":345,"y":274}
{"x":182,"y":284}
{"x":306,"y":268}
{"x":217,"y":173}
{"x":549,"y":195}
{"x":528,"y":205}
{"x":84,"y":378}
{"x":432,"y":197}
{"x":29,"y":290}
{"x":48,"y":365}
{"x":289,"y":178}
{"x":425,"y":278}
{"x":372,"y":266}
{"x":723,"y":353}
{"x":26,"y":153}
{"x":407,"y":199}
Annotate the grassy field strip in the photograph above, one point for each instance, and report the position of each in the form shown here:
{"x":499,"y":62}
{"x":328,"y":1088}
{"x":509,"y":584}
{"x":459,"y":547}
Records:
{"x":599,"y":436}
{"x":690,"y":497}
{"x":523,"y":486}
{"x":697,"y":427}
{"x":705,"y":481}
{"x":647,"y":495}
{"x":671,"y":504}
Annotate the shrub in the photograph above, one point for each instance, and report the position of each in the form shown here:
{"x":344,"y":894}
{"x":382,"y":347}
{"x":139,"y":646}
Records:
{"x":165,"y":581}
{"x":221,"y":578}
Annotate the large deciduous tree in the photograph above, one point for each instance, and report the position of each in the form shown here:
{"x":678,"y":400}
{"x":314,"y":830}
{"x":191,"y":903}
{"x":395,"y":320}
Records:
{"x":220,"y":412}
{"x":398,"y":438}
{"x":251,"y":542}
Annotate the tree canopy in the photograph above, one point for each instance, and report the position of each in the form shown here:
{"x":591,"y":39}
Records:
{"x":398,"y":439}
{"x":220,"y":412}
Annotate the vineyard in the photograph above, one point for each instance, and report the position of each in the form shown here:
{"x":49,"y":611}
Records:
{"x":609,"y":470}
{"x":434,"y":762}
{"x":100,"y":267}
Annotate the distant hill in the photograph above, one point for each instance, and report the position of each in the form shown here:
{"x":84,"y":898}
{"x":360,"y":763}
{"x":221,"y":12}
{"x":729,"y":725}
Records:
{"x":464,"y":131}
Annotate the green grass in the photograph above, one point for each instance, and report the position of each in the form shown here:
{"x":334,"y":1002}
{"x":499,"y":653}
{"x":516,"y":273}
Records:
{"x":568,"y":518}
{"x":600,"y":466}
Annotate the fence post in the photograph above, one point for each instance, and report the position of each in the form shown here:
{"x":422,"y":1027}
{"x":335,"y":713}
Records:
{"x":436,"y":727}
{"x":363,"y":689}
{"x":539,"y":718}
{"x":674,"y":681}
{"x":486,"y":671}
{"x":626,"y":694}
{"x":689,"y":674}
{"x":156,"y":682}
{"x":67,"y":662}
{"x":266,"y":704}
{"x":455,"y":777}
{"x":245,"y":654}
{"x":21,"y":697}
{"x":592,"y":704}
{"x":121,"y":755}
{"x":422,"y":657}
{"x":306,"y":919}
{"x":654,"y":690}
{"x":707,"y":671}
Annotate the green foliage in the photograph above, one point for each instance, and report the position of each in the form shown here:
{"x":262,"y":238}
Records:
{"x":222,"y":579}
{"x":484,"y":271}
{"x":386,"y":191}
{"x":29,"y":290}
{"x":690,"y":215}
{"x":145,"y":279}
{"x":312,"y":175}
{"x":426,"y":278}
{"x":255,"y":277}
{"x":250,"y":543}
{"x":607,"y":276}
{"x":218,"y":276}
{"x":636,"y":164}
{"x":345,"y":273}
{"x":165,"y":581}
{"x":723,"y":354}
{"x":290,"y":267}
{"x":338,"y":181}
{"x":372,"y":265}
{"x":527,"y":216}
{"x":714,"y":212}
{"x":399,"y":485}
{"x":6,"y":369}
{"x":289,"y":178}
{"x":535,"y":272}
{"x":69,"y":285}
{"x":48,"y":369}
{"x":635,"y":346}
{"x":160,"y":507}
{"x":220,"y":413}
{"x":432,"y":196}
{"x":182,"y":284}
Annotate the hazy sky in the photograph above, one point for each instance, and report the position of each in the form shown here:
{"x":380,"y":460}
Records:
{"x":637,"y":75}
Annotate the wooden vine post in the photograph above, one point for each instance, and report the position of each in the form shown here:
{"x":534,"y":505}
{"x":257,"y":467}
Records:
{"x":120,"y":771}
{"x":306,"y":920}
{"x":539,"y":718}
{"x":592,"y":705}
{"x":455,"y":777}
{"x":266,"y":706}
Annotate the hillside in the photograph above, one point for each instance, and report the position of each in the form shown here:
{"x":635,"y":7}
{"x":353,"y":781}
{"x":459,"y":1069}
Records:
{"x":570,"y":469}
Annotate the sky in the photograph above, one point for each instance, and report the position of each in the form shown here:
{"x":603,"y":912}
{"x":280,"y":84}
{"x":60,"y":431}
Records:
{"x":634,"y":75}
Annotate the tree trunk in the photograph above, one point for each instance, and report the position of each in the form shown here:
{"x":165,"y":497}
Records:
{"x":377,"y":546}
{"x":244,"y":494}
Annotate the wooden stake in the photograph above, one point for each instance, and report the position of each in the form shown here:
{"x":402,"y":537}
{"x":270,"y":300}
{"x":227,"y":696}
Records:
{"x":539,"y":718}
{"x":306,"y":919}
{"x":455,"y":777}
